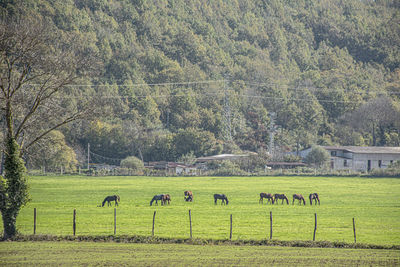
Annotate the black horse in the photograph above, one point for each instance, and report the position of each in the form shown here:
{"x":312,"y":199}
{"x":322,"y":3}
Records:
{"x":281,"y":196}
{"x":268,"y":196}
{"x":299,"y":198}
{"x":157,"y":198}
{"x":314,"y":196}
{"x":111,"y":198}
{"x":222,"y":197}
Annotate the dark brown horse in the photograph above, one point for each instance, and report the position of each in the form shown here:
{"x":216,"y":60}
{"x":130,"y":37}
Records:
{"x":188,"y":196}
{"x":166,"y":198}
{"x":281,"y":196}
{"x":111,"y":198}
{"x":222,"y":197}
{"x":314,"y":196}
{"x":268,"y":196}
{"x":299,"y":198}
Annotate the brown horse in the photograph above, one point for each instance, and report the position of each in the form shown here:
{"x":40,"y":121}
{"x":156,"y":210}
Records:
{"x":111,"y":198}
{"x":314,"y":196}
{"x":188,"y":196}
{"x":299,"y":198}
{"x":166,"y":198}
{"x":281,"y":196}
{"x":268,"y":196}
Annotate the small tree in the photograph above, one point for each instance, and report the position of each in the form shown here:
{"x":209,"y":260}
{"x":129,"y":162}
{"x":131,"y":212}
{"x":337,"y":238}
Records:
{"x":317,"y":156}
{"x":132,"y":163}
{"x":188,"y":159}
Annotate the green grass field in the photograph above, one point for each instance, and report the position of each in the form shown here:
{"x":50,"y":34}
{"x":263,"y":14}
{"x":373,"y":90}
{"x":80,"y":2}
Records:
{"x":374,"y":203}
{"x":118,"y":254}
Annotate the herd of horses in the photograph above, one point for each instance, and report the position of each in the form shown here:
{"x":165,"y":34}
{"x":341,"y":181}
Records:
{"x":272,"y":198}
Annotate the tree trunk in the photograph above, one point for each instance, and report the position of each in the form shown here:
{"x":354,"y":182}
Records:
{"x":9,"y":223}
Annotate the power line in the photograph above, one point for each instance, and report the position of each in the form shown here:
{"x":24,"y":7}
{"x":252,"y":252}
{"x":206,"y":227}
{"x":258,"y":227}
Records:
{"x":217,"y":94}
{"x":226,"y":92}
{"x":103,"y":157}
{"x":139,"y":84}
{"x":311,"y":88}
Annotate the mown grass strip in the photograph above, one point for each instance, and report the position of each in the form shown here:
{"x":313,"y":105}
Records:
{"x":67,"y":253}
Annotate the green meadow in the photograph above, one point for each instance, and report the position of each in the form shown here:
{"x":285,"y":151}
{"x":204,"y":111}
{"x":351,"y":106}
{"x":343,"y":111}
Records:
{"x":373,"y":202}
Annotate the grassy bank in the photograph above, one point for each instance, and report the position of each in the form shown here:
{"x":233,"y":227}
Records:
{"x":113,"y":254}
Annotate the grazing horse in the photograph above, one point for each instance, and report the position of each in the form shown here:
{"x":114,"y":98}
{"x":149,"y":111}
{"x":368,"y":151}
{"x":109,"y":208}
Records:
{"x":281,"y":196}
{"x":166,"y":198}
{"x":157,"y":198}
{"x":188,"y":196}
{"x":299,"y":198}
{"x":314,"y":196}
{"x":111,"y":198}
{"x":268,"y":196}
{"x":222,"y":197}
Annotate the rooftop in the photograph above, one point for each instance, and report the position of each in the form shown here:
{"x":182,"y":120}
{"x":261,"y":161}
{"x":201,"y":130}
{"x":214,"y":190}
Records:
{"x":366,"y":149}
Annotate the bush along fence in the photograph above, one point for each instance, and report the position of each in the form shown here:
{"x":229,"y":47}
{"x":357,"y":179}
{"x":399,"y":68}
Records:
{"x":153,"y":229}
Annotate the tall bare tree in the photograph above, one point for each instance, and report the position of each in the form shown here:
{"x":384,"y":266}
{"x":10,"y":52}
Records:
{"x":37,"y":66}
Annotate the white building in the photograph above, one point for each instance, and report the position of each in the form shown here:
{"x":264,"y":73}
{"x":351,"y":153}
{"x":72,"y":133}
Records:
{"x":359,"y":158}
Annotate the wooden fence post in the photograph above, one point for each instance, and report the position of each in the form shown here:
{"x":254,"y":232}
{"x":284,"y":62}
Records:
{"x":34,"y":221}
{"x":190,"y":222}
{"x":154,"y":219}
{"x":74,"y":222}
{"x":115,"y":221}
{"x":354,"y":231}
{"x":230,"y":235}
{"x":315,"y":226}
{"x":270,"y":225}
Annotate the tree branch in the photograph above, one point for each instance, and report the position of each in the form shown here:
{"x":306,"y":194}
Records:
{"x":74,"y":117}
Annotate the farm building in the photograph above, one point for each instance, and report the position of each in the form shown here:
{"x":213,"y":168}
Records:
{"x":222,"y":157}
{"x":359,"y":158}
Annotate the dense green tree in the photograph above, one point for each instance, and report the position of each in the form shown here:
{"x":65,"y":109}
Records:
{"x":201,"y":143}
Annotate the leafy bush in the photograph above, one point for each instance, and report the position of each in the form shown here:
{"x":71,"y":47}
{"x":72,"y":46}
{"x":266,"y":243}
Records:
{"x":317,"y":157}
{"x":132,"y":163}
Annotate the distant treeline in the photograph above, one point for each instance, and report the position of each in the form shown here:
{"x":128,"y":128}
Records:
{"x":201,"y":77}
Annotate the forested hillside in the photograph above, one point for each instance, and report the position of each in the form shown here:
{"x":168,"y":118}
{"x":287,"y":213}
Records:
{"x":205,"y":77}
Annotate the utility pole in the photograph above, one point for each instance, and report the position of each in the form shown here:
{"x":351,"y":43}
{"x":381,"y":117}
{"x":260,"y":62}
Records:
{"x":272,"y":129}
{"x":88,"y":155}
{"x":2,"y":151}
{"x":227,"y":114}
